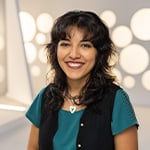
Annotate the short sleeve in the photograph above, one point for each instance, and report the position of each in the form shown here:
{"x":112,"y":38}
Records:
{"x":34,"y":112}
{"x":123,"y":115}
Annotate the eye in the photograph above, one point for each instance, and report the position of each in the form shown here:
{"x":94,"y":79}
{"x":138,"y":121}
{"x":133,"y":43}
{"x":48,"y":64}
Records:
{"x":86,"y":45}
{"x":64,"y":44}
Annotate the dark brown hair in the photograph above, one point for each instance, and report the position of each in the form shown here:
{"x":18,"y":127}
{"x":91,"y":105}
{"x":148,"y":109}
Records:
{"x":95,"y":31}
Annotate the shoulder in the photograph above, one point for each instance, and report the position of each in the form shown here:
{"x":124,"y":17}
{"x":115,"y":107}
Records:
{"x":122,"y":102}
{"x":122,"y":98}
{"x":104,"y":105}
{"x":41,"y":92}
{"x":38,"y":98}
{"x":110,"y":94}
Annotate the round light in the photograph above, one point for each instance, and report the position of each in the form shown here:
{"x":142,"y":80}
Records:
{"x":28,"y":26}
{"x":2,"y":73}
{"x":122,"y":36}
{"x":44,"y":22}
{"x":31,"y":52}
{"x":40,"y":38}
{"x":146,"y":80}
{"x":35,"y":71}
{"x":108,"y":17}
{"x":140,"y":24}
{"x":134,"y":59}
{"x":129,"y":82}
{"x":1,"y":42}
{"x":42,"y":55}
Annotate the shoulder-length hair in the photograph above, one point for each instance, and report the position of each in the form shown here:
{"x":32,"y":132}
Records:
{"x":97,"y":33}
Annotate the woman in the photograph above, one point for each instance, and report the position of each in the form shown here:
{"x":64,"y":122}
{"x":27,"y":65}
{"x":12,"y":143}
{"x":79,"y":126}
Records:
{"x":82,"y":108}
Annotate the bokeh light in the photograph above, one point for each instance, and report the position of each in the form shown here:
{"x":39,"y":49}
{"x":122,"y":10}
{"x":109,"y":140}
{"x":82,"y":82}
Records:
{"x":42,"y":55}
{"x":146,"y":80}
{"x":108,"y":17}
{"x":122,"y":36}
{"x":40,"y":38}
{"x":31,"y":52}
{"x":140,"y":24}
{"x":134,"y":59}
{"x":35,"y":70}
{"x":44,"y":22}
{"x":129,"y":82}
{"x":28,"y":26}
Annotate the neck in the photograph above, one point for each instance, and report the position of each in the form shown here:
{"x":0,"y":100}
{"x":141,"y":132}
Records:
{"x":75,"y":87}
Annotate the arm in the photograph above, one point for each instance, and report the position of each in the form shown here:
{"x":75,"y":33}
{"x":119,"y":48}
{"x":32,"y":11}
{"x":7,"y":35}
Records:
{"x":33,"y":138}
{"x":127,"y":140}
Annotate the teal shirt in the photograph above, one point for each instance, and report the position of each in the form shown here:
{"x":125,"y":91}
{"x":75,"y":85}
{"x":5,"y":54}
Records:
{"x":68,"y":126}
{"x":123,"y":117}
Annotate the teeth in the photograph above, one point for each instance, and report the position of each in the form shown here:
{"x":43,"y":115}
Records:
{"x":74,"y":64}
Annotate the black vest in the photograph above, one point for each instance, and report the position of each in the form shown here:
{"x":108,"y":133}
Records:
{"x":95,"y":126}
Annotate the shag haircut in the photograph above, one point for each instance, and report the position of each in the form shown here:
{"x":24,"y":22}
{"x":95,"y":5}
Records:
{"x":101,"y":76}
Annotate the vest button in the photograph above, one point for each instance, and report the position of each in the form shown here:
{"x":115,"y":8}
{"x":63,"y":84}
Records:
{"x":79,"y":145}
{"x":82,"y":124}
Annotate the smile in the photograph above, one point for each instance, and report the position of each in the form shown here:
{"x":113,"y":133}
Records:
{"x":75,"y":64}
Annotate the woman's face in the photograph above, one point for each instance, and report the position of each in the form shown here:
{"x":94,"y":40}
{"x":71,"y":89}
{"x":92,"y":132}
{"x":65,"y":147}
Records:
{"x":76,"y":56}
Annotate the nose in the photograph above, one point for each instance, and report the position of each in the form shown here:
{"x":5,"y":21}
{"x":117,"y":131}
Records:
{"x":75,"y":52}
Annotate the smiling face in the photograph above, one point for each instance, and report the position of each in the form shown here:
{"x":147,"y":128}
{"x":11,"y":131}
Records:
{"x":76,"y":56}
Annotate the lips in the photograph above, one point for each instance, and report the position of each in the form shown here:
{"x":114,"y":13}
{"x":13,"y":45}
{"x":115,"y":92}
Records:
{"x":75,"y":65}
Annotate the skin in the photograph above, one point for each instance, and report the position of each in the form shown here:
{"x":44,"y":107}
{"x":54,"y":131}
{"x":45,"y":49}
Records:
{"x":76,"y":57}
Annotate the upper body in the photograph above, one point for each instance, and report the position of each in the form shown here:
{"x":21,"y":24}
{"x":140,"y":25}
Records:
{"x":80,"y":54}
{"x":122,"y":108}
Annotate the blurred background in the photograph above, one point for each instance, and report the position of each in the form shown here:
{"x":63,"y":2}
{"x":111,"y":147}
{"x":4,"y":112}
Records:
{"x":25,"y":26}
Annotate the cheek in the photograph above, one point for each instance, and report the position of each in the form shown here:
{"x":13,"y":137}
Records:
{"x":60,"y":57}
{"x":60,"y":54}
{"x":92,"y":57}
